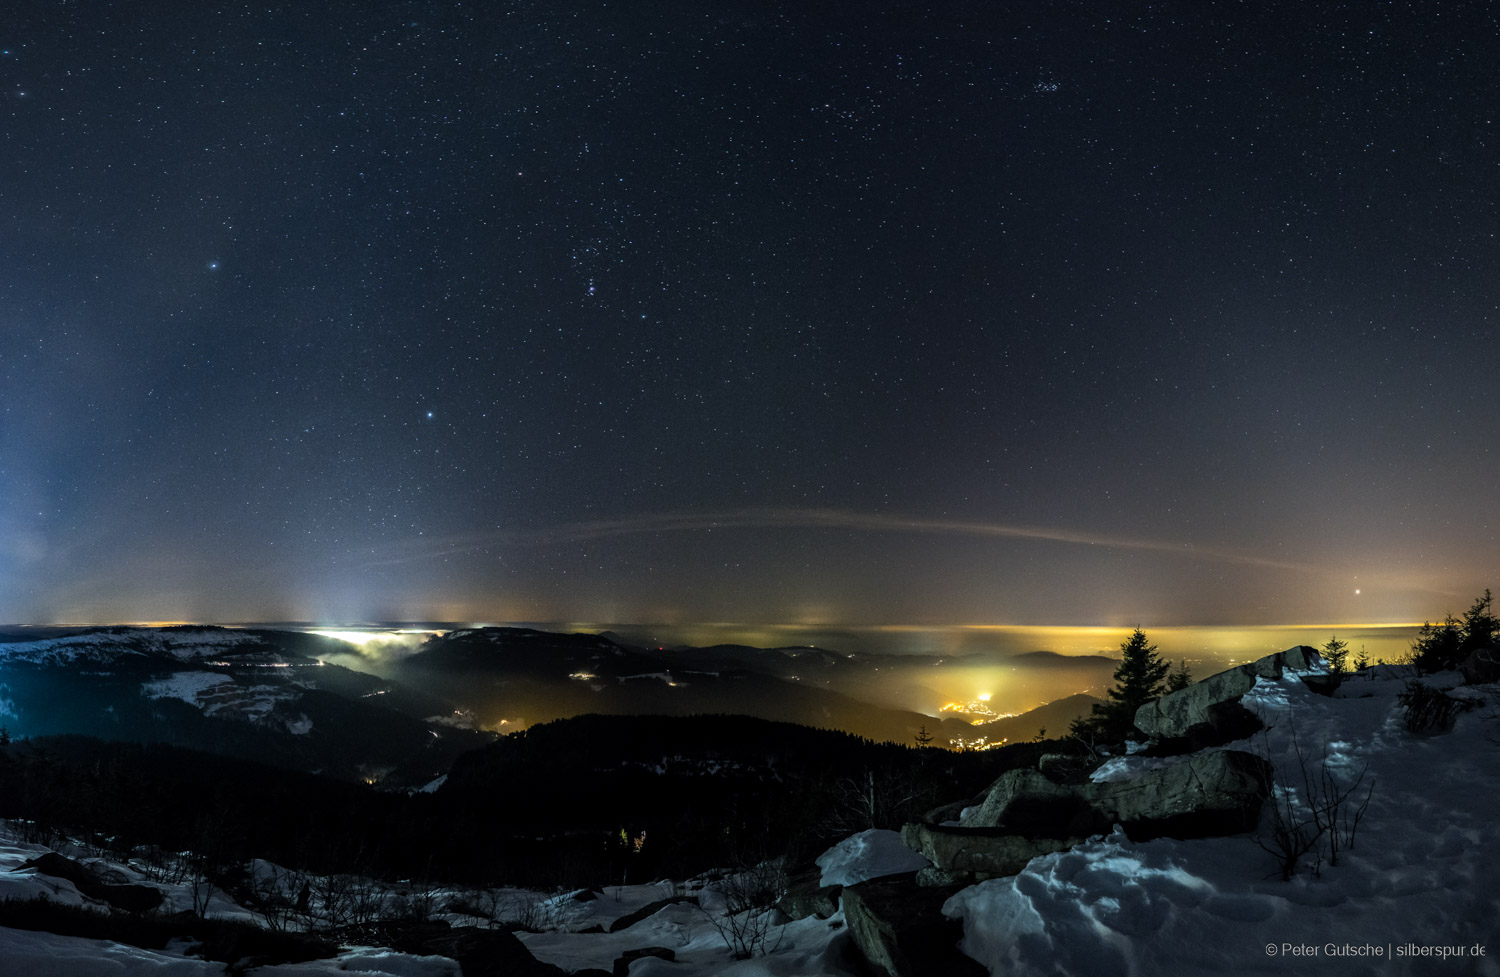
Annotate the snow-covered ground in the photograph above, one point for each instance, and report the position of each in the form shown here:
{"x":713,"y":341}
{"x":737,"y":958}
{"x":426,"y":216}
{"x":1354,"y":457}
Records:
{"x":36,"y":954}
{"x":222,"y":694}
{"x":184,"y":644}
{"x":809,"y":946}
{"x":1418,"y":882}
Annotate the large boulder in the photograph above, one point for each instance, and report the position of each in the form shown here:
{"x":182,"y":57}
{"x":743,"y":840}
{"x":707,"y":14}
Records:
{"x":1481,"y":667}
{"x":1025,"y":814}
{"x":963,"y":856}
{"x":1027,"y":802}
{"x":129,"y":897}
{"x":1208,"y":712}
{"x":898,"y":929}
{"x":1202,"y":796}
{"x":806,"y":895}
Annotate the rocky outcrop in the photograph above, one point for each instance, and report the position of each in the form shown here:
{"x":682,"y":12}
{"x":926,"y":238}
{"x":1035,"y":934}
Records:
{"x":1026,"y":802}
{"x":1208,"y":713}
{"x":807,"y":896}
{"x":962,"y":856}
{"x":898,"y":929}
{"x":129,"y":897}
{"x":1202,"y":796}
{"x":1025,"y":814}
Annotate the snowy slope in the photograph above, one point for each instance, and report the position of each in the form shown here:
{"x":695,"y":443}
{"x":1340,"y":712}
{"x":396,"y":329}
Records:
{"x":49,"y":955}
{"x":1418,"y":880}
{"x":37,"y":954}
{"x":1421,"y":874}
{"x":107,"y":645}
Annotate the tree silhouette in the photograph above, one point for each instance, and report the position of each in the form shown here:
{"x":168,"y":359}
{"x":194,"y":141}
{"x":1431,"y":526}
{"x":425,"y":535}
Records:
{"x":1445,"y":645}
{"x":1139,"y":679}
{"x":1179,"y":679}
{"x":1337,"y":654}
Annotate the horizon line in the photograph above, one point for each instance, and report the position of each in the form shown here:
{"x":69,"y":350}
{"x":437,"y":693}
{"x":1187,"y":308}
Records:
{"x":432,"y":625}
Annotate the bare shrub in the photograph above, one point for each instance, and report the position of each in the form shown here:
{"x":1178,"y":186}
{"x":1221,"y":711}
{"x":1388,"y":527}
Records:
{"x":749,"y":920}
{"x":1323,"y":822}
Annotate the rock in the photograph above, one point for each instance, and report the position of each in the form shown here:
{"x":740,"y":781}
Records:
{"x":648,"y":910}
{"x":949,"y":812}
{"x":962,"y":855}
{"x":131,"y":898}
{"x":1205,"y":795}
{"x":1481,"y":667}
{"x":806,"y":896}
{"x":1025,"y":802}
{"x":623,"y":962}
{"x":897,"y":928}
{"x":1064,"y":768}
{"x":1202,"y":713}
{"x":1026,"y":815}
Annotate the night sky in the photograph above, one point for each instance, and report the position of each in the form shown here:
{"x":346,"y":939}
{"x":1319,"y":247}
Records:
{"x":856,"y":313}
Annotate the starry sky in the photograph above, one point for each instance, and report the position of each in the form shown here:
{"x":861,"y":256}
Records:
{"x":1038,"y":313}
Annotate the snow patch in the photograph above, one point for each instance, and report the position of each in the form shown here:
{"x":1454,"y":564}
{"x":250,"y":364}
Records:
{"x":219,"y":694}
{"x":187,"y":686}
{"x":1122,"y":768}
{"x":868,"y":855}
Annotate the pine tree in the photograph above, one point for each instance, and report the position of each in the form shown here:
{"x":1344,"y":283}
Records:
{"x":923,"y":738}
{"x":1139,"y":679}
{"x":1445,"y":645}
{"x":1336,"y":653}
{"x":1481,"y":627}
{"x":1179,"y":679}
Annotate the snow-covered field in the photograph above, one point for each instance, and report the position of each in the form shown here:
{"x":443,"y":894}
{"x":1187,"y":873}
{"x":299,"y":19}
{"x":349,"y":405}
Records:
{"x":1418,"y":883}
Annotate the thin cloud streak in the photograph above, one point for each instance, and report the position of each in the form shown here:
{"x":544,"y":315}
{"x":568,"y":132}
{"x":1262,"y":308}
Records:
{"x":838,"y":519}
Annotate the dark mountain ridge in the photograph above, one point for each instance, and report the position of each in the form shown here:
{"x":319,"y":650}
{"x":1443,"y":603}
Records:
{"x":236,"y":692}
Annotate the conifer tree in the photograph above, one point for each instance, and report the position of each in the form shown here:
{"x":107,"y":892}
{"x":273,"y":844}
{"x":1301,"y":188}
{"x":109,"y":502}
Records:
{"x":1445,"y":645}
{"x":1139,"y":679}
{"x":1336,"y":653}
{"x":1180,"y":679}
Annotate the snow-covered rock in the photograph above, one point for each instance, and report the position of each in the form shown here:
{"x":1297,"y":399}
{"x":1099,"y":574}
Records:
{"x":1207,"y":707}
{"x":868,"y":855}
{"x":1416,"y":884}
